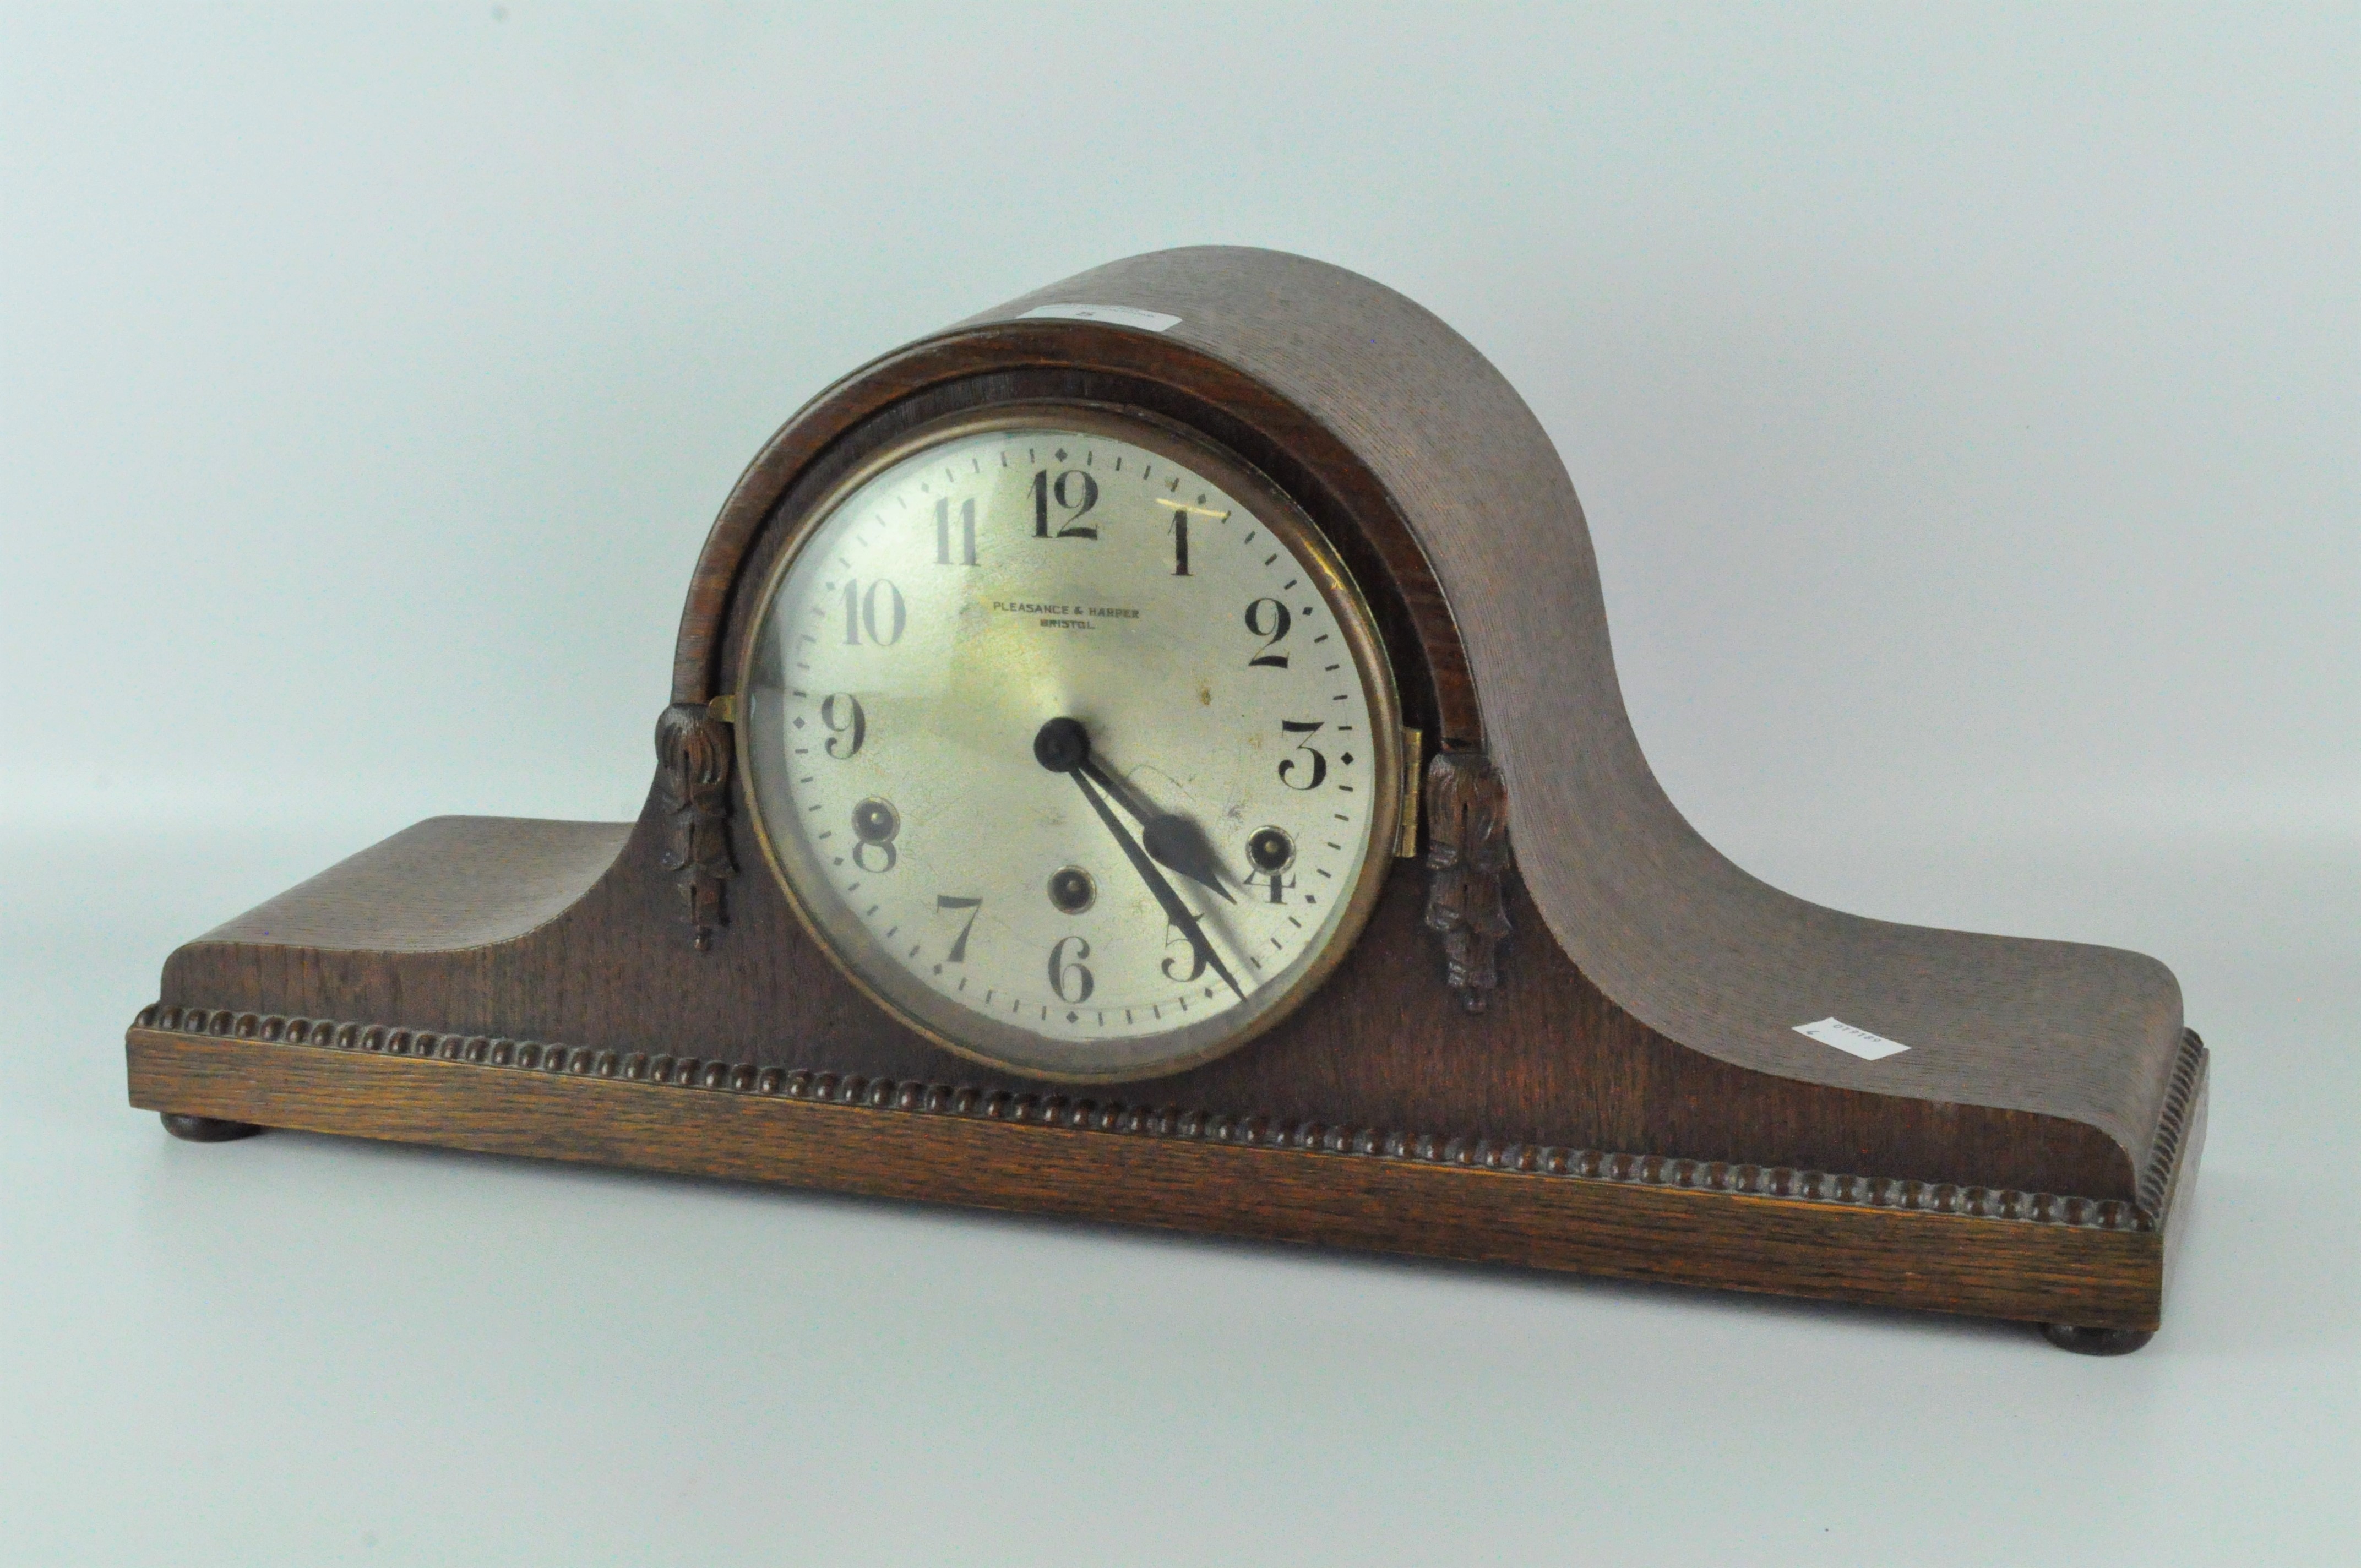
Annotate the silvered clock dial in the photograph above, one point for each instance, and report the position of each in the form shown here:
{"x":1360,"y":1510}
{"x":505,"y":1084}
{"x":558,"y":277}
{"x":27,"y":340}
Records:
{"x":1072,"y":740}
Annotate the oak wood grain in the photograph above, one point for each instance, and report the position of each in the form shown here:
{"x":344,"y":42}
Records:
{"x":1384,"y":1043}
{"x":1995,"y":1267}
{"x":1645,"y":1002}
{"x":1660,"y":922}
{"x":1450,"y":503}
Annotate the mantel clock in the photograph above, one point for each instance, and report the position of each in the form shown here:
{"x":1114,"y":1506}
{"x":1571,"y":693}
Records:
{"x":1151,"y":751}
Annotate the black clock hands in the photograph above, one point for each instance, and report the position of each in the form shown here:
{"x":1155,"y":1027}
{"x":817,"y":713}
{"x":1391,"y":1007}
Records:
{"x":1063,"y":746}
{"x":1171,"y":841}
{"x":1174,"y":910}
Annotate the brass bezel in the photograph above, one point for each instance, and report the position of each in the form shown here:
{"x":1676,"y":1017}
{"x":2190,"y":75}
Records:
{"x":1276,"y":511}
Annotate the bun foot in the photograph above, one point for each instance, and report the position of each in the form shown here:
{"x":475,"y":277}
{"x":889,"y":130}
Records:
{"x":207,"y":1129}
{"x":2095,"y":1342}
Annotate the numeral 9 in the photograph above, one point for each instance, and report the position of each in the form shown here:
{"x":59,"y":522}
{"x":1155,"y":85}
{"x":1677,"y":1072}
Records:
{"x":848,"y":726}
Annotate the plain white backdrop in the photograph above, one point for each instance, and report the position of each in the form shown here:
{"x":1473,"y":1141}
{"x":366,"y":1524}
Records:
{"x":1967,"y":404}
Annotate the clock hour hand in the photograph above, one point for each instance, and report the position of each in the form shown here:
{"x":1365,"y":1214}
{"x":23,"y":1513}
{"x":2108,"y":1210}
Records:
{"x":1063,"y":746}
{"x":1172,"y":841}
{"x":1174,"y":910}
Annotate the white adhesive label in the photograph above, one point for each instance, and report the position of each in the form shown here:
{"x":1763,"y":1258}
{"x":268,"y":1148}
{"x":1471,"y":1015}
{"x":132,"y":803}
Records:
{"x":1845,"y":1037}
{"x":1121,"y":315}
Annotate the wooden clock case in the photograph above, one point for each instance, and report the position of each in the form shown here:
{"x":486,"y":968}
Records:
{"x":1566,"y":1039}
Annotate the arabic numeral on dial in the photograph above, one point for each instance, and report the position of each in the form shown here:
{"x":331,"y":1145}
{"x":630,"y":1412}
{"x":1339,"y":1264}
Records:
{"x":1272,"y":628}
{"x":882,"y":618}
{"x":1306,"y":768}
{"x":958,"y":953}
{"x":847,"y":725}
{"x":965,"y":556}
{"x":1277,"y":882}
{"x":1195,"y":956}
{"x":1068,"y":977}
{"x":875,"y":823}
{"x":1072,"y":492}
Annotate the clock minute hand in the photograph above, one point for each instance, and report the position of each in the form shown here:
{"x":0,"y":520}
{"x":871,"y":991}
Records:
{"x":1174,"y":910}
{"x":1171,"y":840}
{"x":1063,"y":747}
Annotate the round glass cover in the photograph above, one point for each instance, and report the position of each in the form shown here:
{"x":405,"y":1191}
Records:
{"x":1072,"y":742}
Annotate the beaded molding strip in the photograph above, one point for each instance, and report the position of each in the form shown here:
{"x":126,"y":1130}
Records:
{"x":2172,"y":1124}
{"x":910,"y":1095}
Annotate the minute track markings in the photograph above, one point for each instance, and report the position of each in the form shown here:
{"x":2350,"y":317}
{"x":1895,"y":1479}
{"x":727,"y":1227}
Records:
{"x":1215,"y":785}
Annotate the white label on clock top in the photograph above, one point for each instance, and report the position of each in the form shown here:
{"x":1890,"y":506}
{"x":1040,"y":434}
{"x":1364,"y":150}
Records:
{"x":1844,"y":1036}
{"x":1121,"y":315}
